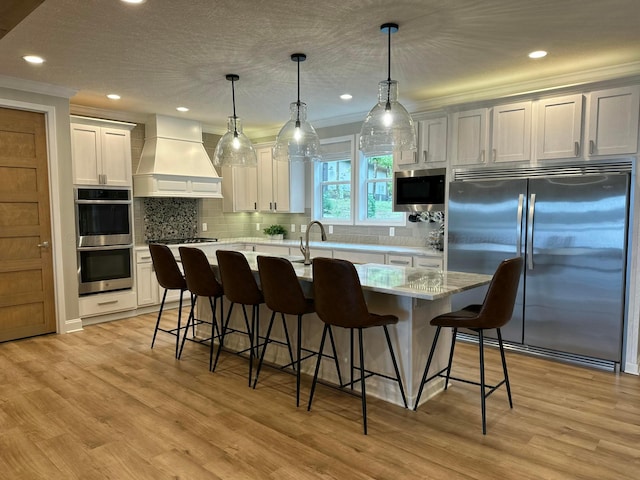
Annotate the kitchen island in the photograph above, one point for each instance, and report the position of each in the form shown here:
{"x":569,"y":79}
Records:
{"x":414,"y":295}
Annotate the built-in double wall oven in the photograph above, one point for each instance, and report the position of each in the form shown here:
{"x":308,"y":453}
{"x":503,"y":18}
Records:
{"x":104,"y":239}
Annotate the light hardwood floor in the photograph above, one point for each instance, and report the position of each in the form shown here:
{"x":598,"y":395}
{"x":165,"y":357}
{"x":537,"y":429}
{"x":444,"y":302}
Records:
{"x":100,"y":404}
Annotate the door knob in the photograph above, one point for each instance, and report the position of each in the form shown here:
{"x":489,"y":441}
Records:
{"x":43,"y":244}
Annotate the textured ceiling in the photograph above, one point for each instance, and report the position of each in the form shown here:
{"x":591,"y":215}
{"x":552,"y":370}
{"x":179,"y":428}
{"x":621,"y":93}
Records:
{"x":166,"y":53}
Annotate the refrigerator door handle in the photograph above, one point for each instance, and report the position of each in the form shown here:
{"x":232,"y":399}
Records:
{"x":532,"y":209}
{"x":519,"y":225}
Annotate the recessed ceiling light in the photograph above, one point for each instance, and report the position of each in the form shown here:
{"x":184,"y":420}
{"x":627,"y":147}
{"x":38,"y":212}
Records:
{"x":182,"y":109}
{"x":538,"y":54}
{"x":113,"y":96}
{"x":346,"y":96}
{"x":33,"y":59}
{"x":134,"y":1}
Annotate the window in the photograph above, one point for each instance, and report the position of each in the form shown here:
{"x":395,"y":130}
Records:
{"x":333,"y":180}
{"x":351,"y":188}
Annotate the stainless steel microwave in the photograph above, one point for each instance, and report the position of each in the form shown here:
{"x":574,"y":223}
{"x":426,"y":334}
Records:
{"x":419,"y":190}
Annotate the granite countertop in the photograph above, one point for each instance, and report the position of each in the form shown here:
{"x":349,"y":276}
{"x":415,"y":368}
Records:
{"x":392,"y":249}
{"x":395,"y":280}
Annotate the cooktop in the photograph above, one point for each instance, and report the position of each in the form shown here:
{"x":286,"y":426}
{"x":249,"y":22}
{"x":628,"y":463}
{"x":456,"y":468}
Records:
{"x":175,"y":241}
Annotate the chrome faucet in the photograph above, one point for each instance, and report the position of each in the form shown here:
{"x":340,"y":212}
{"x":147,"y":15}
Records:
{"x":305,"y":248}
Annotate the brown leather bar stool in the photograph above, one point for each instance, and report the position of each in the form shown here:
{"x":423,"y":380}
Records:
{"x":283,"y":294}
{"x":495,"y":312}
{"x":170,"y":278}
{"x":240,"y":287}
{"x":340,"y":302}
{"x":201,"y":282}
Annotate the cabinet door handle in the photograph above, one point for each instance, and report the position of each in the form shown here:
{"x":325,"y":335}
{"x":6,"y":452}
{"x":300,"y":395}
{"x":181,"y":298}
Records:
{"x":482,"y":156}
{"x":495,"y":154}
{"x":110,"y":302}
{"x":275,"y":206}
{"x":592,"y":147}
{"x":576,"y":149}
{"x":425,"y":155}
{"x":255,"y":205}
{"x":398,"y":262}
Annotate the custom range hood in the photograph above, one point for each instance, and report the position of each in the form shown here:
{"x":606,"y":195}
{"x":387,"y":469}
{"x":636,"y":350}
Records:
{"x":174,"y":162}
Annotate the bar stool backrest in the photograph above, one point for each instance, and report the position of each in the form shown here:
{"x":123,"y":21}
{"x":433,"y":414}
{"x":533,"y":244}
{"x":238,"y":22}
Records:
{"x":500,"y":299}
{"x":338,"y":293}
{"x":239,"y":284}
{"x":280,"y":286}
{"x":167,"y":271}
{"x":200,"y":277}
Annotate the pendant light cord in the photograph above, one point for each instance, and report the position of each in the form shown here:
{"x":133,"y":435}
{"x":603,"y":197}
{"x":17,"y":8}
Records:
{"x":298,"y":103}
{"x":388,"y":105}
{"x":233,"y":96}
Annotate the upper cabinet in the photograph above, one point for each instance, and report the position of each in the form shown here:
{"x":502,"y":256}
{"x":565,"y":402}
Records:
{"x":239,"y":189}
{"x":432,"y":141}
{"x":280,"y":184}
{"x":470,"y":137}
{"x":511,"y":139}
{"x":559,"y":127}
{"x":612,"y":121}
{"x":101,"y":152}
{"x":432,"y":146}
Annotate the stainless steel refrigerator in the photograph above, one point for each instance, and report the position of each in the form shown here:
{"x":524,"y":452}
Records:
{"x":572,"y":231}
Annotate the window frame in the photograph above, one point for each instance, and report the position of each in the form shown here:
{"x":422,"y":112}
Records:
{"x":358,"y":185}
{"x":317,"y":210}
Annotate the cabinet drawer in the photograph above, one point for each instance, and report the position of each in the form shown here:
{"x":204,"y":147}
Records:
{"x":143,"y":256}
{"x":434,"y":263}
{"x":402,"y":260}
{"x":359,"y":257}
{"x":101,"y":304}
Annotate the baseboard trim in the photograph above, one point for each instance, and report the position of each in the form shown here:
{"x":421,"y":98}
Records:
{"x":72,"y":325}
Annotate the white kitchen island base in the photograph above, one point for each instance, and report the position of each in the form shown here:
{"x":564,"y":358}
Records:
{"x":414,"y":295}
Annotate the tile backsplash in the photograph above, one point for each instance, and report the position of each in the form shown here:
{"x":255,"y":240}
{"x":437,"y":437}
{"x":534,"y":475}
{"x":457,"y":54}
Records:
{"x":169,"y":218}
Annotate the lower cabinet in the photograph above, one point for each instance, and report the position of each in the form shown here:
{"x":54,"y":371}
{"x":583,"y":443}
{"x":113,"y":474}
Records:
{"x":104,"y":303}
{"x":435,"y":263}
{"x":359,"y":257}
{"x":146,"y":283}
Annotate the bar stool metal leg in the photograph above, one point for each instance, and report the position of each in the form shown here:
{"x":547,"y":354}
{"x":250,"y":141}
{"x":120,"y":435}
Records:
{"x":454,"y":335}
{"x":504,"y":368}
{"x":362,"y":382}
{"x":426,"y":368}
{"x":482,"y":392}
{"x":395,"y":366}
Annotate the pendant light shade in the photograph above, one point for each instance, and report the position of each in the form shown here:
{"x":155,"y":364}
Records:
{"x":297,"y":140}
{"x":388,"y":127}
{"x":234,"y":148}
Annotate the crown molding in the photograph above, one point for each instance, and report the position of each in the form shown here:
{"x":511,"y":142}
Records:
{"x":627,"y":72}
{"x":36,"y":87}
{"x":119,"y":115}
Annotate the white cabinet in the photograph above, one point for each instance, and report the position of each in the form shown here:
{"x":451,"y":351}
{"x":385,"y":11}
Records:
{"x":146,"y":283}
{"x":559,"y":127}
{"x":470,"y":133}
{"x":511,"y":133}
{"x":432,"y":141}
{"x":280,"y":184}
{"x":101,"y":152}
{"x":434,"y":263}
{"x":149,"y":291}
{"x":239,"y":189}
{"x":104,"y":303}
{"x":400,"y":260}
{"x":359,"y":257}
{"x":432,"y":145}
{"x":612,"y":121}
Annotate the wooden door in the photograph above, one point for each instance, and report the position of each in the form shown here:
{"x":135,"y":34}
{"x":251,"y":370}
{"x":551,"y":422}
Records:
{"x":27,"y":305}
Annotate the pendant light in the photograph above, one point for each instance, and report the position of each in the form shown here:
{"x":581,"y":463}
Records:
{"x":388,"y":127}
{"x":234,"y":148}
{"x":297,"y":140}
